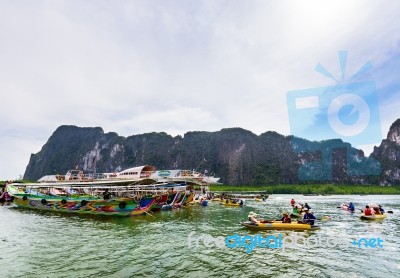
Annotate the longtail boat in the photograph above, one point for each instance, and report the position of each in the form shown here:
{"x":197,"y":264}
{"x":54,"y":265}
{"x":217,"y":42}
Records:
{"x":80,"y":199}
{"x":130,"y":192}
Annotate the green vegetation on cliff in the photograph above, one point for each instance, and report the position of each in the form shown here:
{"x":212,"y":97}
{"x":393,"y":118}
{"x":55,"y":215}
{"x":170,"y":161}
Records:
{"x":236,"y":155}
{"x":313,"y":189}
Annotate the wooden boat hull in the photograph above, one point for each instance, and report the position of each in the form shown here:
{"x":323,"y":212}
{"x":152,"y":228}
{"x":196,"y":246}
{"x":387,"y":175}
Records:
{"x":373,"y":217}
{"x":114,"y":207}
{"x":278,"y":225}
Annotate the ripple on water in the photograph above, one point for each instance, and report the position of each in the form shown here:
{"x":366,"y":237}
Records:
{"x":60,"y":245}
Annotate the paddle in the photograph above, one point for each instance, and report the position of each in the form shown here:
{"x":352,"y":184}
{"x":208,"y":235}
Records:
{"x":325,"y":218}
{"x":147,"y":213}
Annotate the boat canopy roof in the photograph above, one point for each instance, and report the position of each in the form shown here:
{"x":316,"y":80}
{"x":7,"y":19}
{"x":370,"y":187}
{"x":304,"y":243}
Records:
{"x":145,"y":168}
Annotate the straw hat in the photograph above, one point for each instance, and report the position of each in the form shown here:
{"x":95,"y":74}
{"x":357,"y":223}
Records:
{"x":285,"y":213}
{"x":252,"y":214}
{"x":305,"y":209}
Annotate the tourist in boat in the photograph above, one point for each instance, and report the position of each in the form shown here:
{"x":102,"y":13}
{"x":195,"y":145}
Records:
{"x":253,"y":217}
{"x":381,"y":210}
{"x":5,"y":197}
{"x":286,"y":218}
{"x":309,"y":217}
{"x":292,"y":202}
{"x":241,"y":202}
{"x":351,"y":207}
{"x":106,"y":195}
{"x":368,"y":211}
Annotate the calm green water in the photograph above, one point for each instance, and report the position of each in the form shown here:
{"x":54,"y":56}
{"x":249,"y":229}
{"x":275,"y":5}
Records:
{"x":45,"y":244}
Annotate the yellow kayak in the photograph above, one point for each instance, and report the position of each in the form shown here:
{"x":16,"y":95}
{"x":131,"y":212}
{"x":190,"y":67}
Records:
{"x":216,"y":200}
{"x":373,"y":217}
{"x":258,"y":199}
{"x":231,"y":204}
{"x":278,"y":225}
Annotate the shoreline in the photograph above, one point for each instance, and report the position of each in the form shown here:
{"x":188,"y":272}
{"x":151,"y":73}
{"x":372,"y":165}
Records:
{"x":316,"y":190}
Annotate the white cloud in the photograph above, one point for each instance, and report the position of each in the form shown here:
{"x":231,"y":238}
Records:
{"x":141,"y":66}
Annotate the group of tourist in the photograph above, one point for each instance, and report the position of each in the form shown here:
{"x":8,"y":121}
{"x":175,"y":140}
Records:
{"x":308,"y":217}
{"x":374,"y":210}
{"x":299,"y":208}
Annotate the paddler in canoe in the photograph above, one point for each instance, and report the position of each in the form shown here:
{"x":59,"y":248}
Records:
{"x":373,"y":213}
{"x":308,"y":217}
{"x":286,"y":218}
{"x":297,"y":212}
{"x":348,"y":207}
{"x":351,"y":207}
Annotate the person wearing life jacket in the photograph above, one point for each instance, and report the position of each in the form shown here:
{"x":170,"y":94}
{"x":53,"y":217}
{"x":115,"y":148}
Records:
{"x":368,"y":211}
{"x":309,"y":217}
{"x":286,"y":218}
{"x":382,"y":211}
{"x":292,"y":202}
{"x":351,"y":206}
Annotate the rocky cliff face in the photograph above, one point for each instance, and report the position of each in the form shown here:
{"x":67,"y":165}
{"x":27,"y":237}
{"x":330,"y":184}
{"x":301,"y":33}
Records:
{"x":236,"y":155}
{"x":388,"y":153}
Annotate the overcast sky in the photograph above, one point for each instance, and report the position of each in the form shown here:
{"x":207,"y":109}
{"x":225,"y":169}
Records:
{"x":175,"y":66}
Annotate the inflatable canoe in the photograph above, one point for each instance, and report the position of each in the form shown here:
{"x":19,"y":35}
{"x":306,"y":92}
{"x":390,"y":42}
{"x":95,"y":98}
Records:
{"x":230,"y":204}
{"x":346,"y":208}
{"x":373,"y":217}
{"x":216,"y":200}
{"x":278,"y":225}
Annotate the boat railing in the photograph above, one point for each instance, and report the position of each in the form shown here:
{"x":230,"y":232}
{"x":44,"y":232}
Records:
{"x":97,"y":190}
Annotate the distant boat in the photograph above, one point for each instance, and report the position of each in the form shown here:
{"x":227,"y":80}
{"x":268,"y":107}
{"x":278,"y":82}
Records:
{"x":187,"y":176}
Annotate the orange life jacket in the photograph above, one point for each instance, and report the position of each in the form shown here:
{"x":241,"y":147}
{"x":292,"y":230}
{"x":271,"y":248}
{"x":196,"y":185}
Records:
{"x":367,"y":211}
